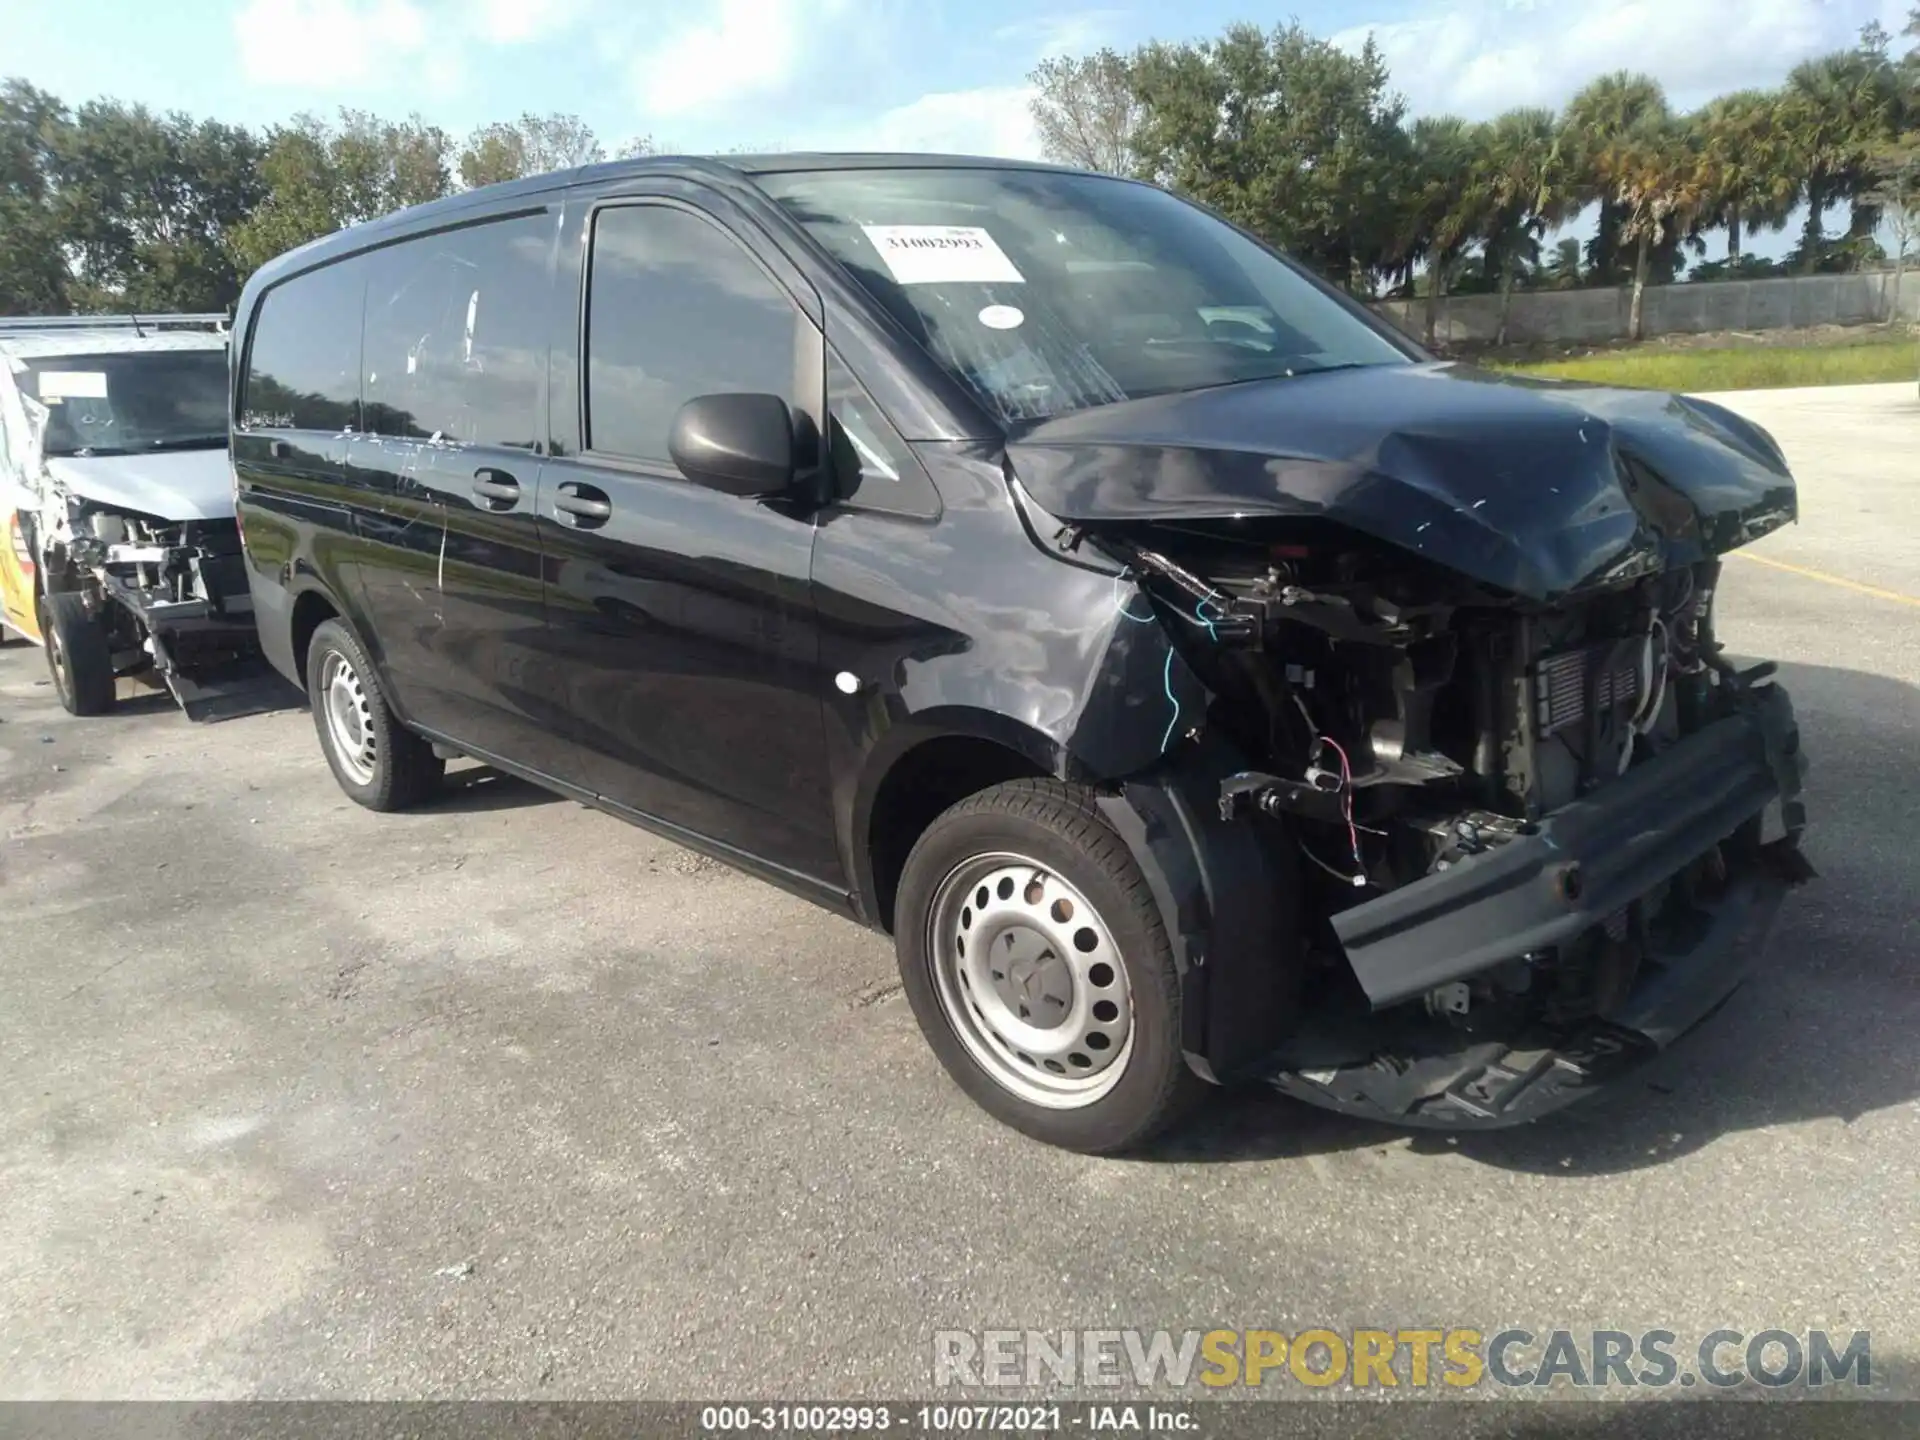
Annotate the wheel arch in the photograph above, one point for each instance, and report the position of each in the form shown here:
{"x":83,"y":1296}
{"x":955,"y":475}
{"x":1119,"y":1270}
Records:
{"x":313,"y":605}
{"x":921,"y":769}
{"x":312,"y":608}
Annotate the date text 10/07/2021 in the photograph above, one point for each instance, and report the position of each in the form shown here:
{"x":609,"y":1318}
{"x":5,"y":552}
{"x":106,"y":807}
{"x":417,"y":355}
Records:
{"x":949,"y":1419}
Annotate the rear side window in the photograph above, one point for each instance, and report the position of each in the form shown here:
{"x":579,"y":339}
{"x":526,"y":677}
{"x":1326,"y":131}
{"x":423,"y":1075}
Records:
{"x":676,"y":309}
{"x":303,"y":367}
{"x":456,"y":334}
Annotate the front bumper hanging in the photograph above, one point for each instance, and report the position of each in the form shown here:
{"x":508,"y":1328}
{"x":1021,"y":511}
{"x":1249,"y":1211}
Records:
{"x":1580,"y":866}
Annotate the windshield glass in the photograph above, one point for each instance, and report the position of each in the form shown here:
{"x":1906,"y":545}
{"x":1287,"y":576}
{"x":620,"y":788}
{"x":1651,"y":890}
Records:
{"x":1050,"y":292}
{"x":127,"y":404}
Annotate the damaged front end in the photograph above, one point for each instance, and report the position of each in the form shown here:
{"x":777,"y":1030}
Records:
{"x":1544,"y":822}
{"x":169,"y":596}
{"x":172,"y":597}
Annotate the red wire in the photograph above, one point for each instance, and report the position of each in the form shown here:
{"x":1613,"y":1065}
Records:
{"x":1346,"y":794}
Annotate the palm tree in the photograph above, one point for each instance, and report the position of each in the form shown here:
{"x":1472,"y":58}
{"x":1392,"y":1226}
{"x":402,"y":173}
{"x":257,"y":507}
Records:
{"x":1751,"y":173}
{"x":1444,"y":206}
{"x":1527,"y":188}
{"x":1652,"y":175}
{"x":1564,"y":269}
{"x":1838,"y":109}
{"x":1598,"y":120}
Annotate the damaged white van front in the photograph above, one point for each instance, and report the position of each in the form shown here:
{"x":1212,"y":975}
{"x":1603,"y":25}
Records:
{"x":122,"y":555}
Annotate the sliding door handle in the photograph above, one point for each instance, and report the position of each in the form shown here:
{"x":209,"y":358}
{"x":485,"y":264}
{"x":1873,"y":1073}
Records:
{"x":582,"y":506}
{"x":496,"y":489}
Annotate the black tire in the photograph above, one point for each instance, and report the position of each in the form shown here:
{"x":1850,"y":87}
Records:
{"x":1059,"y":828}
{"x":396,"y":768}
{"x":79,"y":654}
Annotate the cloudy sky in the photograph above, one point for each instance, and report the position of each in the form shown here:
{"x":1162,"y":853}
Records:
{"x":844,"y":74}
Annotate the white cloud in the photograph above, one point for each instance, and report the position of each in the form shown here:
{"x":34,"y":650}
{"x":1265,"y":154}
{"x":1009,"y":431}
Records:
{"x":328,"y":44}
{"x":513,"y":22}
{"x":743,"y":50}
{"x":1071,"y":32}
{"x":1478,"y":57}
{"x":407,"y":45}
{"x":992,"y":120}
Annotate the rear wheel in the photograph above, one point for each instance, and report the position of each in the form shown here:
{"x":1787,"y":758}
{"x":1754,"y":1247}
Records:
{"x":79,"y":654}
{"x":377,"y":760}
{"x":1037,"y":965}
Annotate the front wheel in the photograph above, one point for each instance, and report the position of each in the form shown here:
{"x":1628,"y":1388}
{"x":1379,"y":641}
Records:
{"x":1036,"y":962}
{"x":378,"y":761}
{"x":79,"y":653}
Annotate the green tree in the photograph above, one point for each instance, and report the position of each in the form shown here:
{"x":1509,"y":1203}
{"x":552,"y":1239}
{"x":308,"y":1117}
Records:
{"x":147,"y":205}
{"x":1285,"y":134}
{"x":1751,"y":167}
{"x":1086,"y":111}
{"x":531,"y":145}
{"x":321,"y":178}
{"x":1528,"y":188}
{"x":1563,"y":271}
{"x":33,"y":271}
{"x":1895,"y":191}
{"x":1653,"y":177}
{"x":1599,"y":121}
{"x":1838,"y":109}
{"x":1443,"y":205}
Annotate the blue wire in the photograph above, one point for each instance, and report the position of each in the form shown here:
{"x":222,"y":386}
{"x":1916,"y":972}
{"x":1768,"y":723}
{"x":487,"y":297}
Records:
{"x":1167,"y":739}
{"x":1196,"y":618}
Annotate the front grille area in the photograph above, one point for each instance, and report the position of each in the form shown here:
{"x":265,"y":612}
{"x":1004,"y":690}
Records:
{"x":1596,"y":679}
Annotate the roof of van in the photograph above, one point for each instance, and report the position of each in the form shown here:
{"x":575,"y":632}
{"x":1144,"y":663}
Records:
{"x":103,"y":340}
{"x":730,"y":167}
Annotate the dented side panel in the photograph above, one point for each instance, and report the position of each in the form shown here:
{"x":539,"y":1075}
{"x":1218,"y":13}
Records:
{"x":966,"y":627}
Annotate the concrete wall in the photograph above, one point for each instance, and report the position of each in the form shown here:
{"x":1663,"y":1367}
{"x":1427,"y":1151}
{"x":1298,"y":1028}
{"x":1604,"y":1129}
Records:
{"x":1589,"y":316}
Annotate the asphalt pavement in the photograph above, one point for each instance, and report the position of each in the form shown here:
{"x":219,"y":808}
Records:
{"x":505,"y":1098}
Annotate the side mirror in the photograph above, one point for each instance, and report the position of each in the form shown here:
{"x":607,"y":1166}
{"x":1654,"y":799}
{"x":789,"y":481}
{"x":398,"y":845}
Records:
{"x":739,"y":444}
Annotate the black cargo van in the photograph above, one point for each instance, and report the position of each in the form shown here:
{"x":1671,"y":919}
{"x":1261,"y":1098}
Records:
{"x":1196,"y":679}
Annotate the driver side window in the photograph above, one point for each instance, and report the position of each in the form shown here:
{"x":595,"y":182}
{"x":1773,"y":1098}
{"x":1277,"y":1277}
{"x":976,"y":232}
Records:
{"x":676,"y":309}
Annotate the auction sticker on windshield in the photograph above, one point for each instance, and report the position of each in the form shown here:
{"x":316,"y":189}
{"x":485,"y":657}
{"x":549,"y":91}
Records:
{"x":73,"y":385}
{"x":942,"y":254}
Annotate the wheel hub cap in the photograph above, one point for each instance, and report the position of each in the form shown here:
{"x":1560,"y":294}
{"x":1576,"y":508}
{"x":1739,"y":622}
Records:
{"x":349,"y":718}
{"x":1029,"y":977}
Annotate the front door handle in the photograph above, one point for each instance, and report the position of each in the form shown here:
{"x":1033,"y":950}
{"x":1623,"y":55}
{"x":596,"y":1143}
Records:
{"x":584,"y":507}
{"x":496,"y":489}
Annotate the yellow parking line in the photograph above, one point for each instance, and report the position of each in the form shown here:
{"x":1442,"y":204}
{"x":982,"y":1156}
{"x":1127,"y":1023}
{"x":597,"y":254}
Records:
{"x":1873,"y":590}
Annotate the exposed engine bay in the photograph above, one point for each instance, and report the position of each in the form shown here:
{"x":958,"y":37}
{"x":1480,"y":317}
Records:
{"x":1406,"y":722}
{"x":171,"y":594}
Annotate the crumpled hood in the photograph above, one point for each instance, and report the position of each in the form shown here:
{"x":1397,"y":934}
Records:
{"x":1534,"y":487}
{"x":169,"y":485}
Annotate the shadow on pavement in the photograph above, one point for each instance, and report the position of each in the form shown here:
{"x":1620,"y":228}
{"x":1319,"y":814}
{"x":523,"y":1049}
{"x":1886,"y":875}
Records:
{"x":481,"y":788}
{"x":1823,"y":1029}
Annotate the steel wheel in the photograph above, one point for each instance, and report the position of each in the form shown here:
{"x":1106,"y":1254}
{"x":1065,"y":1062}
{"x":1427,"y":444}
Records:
{"x":1031,"y":981}
{"x":349,"y":717}
{"x":57,"y":662}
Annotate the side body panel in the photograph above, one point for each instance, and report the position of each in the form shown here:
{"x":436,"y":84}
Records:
{"x":296,"y":410}
{"x":682,"y":647}
{"x":454,"y":386}
{"x":17,"y":574}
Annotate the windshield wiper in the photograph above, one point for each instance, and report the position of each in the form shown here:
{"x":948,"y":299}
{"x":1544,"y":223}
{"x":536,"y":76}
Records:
{"x":1294,"y":371}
